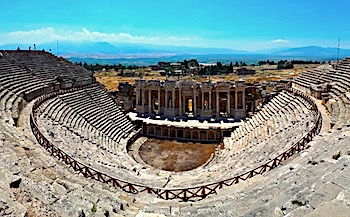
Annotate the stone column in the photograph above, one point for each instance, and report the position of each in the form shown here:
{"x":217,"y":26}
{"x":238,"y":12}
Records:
{"x":243,"y":99}
{"x":166,"y":99}
{"x":202,"y":100}
{"x":235,"y":99}
{"x":173,"y":99}
{"x":228,"y":103}
{"x":209,"y":106}
{"x":184,"y":103}
{"x":217,"y":103}
{"x":143,"y":98}
{"x":194,"y":103}
{"x":180,"y":103}
{"x":158,"y":100}
{"x":137,"y":96}
{"x":149,"y":101}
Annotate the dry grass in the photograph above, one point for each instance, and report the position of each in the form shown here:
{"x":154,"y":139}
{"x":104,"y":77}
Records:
{"x":175,"y":156}
{"x":270,"y":73}
{"x":263,"y":73}
{"x":111,"y":81}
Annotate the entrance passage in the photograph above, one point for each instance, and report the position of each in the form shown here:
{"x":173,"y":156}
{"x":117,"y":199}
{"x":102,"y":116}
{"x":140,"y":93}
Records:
{"x":175,"y":156}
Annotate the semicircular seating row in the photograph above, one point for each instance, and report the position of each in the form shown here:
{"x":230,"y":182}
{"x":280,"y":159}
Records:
{"x":96,"y":133}
{"x":312,"y":178}
{"x":25,"y":75}
{"x":298,"y":180}
{"x":47,"y":66}
{"x":17,"y":86}
{"x":89,"y":126}
{"x":339,"y":93}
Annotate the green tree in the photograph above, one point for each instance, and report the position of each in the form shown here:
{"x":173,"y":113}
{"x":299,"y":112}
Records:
{"x":284,"y":64}
{"x":171,"y":70}
{"x":186,"y":64}
{"x":230,"y":68}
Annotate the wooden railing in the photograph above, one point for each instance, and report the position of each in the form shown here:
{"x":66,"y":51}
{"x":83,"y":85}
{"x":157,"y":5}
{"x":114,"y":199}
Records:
{"x":184,"y":194}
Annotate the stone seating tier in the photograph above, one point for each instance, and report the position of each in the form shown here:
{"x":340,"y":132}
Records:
{"x":47,"y":66}
{"x":110,"y":155}
{"x":339,"y":79}
{"x":313,"y":178}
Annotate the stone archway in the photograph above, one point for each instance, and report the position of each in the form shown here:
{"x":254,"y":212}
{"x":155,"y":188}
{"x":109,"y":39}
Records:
{"x":203,"y":135}
{"x":195,"y":135}
{"x":165,"y":132}
{"x":158,"y":131}
{"x":211,"y":135}
{"x":187,"y":134}
{"x":172,"y":133}
{"x":151,"y":130}
{"x":223,"y":106}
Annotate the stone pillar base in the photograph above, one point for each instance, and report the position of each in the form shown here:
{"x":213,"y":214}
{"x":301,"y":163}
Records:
{"x":206,"y":114}
{"x":141,"y":109}
{"x":240,"y":114}
{"x":232,"y":112}
{"x":169,"y":112}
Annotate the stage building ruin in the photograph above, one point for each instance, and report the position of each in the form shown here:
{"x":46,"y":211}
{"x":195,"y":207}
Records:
{"x":179,"y":101}
{"x":187,"y":98}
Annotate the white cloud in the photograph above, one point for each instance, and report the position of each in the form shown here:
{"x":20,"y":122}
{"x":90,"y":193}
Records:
{"x":280,"y":41}
{"x":86,"y":35}
{"x":172,"y":38}
{"x":45,"y":34}
{"x":50,"y":34}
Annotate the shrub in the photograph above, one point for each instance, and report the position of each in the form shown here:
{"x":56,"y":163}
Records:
{"x":313,"y":162}
{"x":297,"y":202}
{"x":337,"y":155}
{"x":94,"y":208}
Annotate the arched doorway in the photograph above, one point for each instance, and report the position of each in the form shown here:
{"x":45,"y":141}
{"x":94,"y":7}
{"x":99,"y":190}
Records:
{"x":187,"y":134}
{"x":223,"y":105}
{"x":165,"y":132}
{"x":210,"y":135}
{"x":172,"y":132}
{"x":151,"y":130}
{"x":195,"y":135}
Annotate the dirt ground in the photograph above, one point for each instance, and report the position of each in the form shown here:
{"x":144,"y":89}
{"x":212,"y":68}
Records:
{"x":175,"y":156}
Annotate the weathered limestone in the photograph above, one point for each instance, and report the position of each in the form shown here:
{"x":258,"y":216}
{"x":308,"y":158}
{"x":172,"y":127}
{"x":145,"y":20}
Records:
{"x":311,"y":183}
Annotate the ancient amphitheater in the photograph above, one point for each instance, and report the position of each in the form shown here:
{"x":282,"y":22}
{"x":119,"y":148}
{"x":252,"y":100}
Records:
{"x":63,"y":150}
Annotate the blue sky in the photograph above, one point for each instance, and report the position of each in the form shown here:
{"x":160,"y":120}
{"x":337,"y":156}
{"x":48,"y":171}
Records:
{"x":244,"y":25}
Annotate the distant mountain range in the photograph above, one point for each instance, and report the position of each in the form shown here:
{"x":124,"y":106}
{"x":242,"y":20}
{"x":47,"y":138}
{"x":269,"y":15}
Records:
{"x":145,"y":54}
{"x":313,"y":51}
{"x":78,"y":49}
